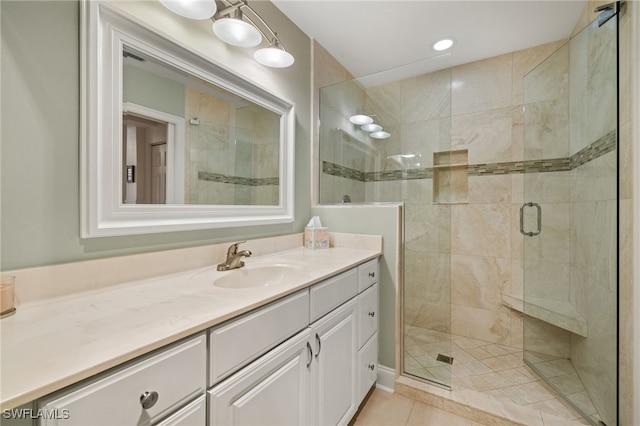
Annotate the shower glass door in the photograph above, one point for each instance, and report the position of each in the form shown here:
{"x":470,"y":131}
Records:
{"x":569,"y":221}
{"x":411,"y":162}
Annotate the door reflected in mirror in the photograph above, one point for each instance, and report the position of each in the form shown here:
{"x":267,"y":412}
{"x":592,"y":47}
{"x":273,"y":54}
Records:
{"x":186,"y":141}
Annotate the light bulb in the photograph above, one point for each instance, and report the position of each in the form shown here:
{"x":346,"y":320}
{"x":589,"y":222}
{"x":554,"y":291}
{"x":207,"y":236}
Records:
{"x":237,"y":32}
{"x":192,"y":9}
{"x":373,"y":127}
{"x":360,"y":119}
{"x":274,"y":57}
{"x":380,"y":135}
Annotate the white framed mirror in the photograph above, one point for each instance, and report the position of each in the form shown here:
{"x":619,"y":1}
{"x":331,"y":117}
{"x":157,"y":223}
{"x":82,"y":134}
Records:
{"x":171,"y":141}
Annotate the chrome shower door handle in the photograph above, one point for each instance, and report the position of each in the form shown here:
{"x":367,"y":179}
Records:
{"x":539,"y":209}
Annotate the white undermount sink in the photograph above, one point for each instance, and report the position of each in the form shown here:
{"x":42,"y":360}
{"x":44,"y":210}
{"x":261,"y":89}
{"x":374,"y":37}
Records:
{"x":259,"y":274}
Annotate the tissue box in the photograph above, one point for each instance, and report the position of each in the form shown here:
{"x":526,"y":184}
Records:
{"x":316,"y":238}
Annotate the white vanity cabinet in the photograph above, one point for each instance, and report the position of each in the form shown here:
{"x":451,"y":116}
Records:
{"x":141,"y":393}
{"x":308,"y":358}
{"x":317,"y":377}
{"x":368,"y":317}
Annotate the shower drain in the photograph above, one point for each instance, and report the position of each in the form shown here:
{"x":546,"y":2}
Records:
{"x":445,"y":358}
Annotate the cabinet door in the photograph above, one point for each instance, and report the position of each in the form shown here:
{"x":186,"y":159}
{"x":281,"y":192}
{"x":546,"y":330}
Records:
{"x":334,"y":366}
{"x":368,"y":314}
{"x":194,"y":414}
{"x":272,"y":390}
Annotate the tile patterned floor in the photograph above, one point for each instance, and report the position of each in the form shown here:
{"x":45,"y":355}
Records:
{"x":495,"y":370}
{"x":386,"y":409}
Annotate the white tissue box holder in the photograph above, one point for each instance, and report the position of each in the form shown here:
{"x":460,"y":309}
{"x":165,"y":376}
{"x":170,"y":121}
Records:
{"x":316,"y":238}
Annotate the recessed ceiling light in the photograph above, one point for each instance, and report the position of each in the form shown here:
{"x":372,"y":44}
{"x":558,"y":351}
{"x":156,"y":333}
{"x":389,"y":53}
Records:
{"x":443,"y":44}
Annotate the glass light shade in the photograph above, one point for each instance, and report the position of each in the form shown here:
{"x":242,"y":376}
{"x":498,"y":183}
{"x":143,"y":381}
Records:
{"x":192,"y":9}
{"x":380,"y":135}
{"x":237,"y":32}
{"x":274,"y":57}
{"x":361,"y":119}
{"x":373,"y":127}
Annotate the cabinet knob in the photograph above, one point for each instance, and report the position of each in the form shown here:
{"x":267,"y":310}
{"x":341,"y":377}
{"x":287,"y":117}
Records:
{"x":372,"y":314}
{"x":371,"y":367}
{"x":372,"y":274}
{"x":148,"y":399}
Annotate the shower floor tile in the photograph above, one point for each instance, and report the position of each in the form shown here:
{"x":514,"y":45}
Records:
{"x":495,"y":370}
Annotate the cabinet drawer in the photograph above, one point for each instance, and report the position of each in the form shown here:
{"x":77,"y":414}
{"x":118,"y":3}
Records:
{"x":177,"y":375}
{"x":194,"y":414}
{"x":238,"y":342}
{"x":332,"y":293}
{"x":367,"y":367}
{"x":367,"y":274}
{"x":368,"y":314}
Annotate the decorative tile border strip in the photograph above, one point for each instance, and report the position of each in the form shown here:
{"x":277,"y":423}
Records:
{"x":237,"y":180}
{"x":602,"y":146}
{"x":342,"y":171}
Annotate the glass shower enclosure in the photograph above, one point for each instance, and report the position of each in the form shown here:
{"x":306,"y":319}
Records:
{"x":510,"y":226}
{"x":569,"y":221}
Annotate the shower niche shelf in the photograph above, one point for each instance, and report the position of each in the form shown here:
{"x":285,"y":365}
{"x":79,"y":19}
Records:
{"x":560,"y":313}
{"x":450,"y":184}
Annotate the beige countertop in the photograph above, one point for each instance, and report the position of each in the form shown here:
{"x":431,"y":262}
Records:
{"x":54,"y":342}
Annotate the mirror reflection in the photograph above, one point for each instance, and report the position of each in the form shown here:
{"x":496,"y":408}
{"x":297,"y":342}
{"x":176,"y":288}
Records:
{"x":186,"y":141}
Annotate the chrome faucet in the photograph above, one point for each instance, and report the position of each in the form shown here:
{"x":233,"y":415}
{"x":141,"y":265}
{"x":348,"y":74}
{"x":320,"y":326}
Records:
{"x":233,"y":257}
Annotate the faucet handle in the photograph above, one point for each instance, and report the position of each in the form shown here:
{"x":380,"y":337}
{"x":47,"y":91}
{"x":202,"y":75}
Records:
{"x":233,"y":248}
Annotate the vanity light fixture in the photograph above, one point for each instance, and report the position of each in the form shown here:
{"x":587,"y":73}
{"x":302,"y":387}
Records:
{"x":443,"y":44}
{"x":236,"y":32}
{"x":373,"y":127}
{"x":274,"y":56}
{"x":192,"y":9}
{"x":380,"y":135}
{"x":237,"y":28}
{"x":360,"y":119}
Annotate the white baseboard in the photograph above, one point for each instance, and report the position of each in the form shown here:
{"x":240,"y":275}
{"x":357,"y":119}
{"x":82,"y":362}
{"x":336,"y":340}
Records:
{"x":386,"y":379}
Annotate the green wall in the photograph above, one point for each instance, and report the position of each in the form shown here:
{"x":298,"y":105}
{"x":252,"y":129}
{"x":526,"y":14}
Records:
{"x":141,"y":87}
{"x":380,"y":219}
{"x":39,"y":151}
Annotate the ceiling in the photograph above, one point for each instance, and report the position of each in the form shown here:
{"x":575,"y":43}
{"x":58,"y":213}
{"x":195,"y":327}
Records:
{"x":369,"y":36}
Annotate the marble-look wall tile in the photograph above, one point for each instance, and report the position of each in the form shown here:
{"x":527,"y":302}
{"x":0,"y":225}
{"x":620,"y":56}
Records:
{"x":386,"y":101}
{"x":524,"y":61}
{"x":422,"y":139}
{"x":383,"y":191}
{"x":486,"y":134}
{"x":595,"y":180}
{"x":481,"y":229}
{"x":489,"y":189}
{"x":482,"y":85}
{"x":549,"y":80}
{"x":578,"y":101}
{"x":545,"y":338}
{"x":595,"y":357}
{"x":333,"y":188}
{"x":426,"y":96}
{"x":488,"y":325}
{"x":546,"y":129}
{"x":517,"y":239}
{"x":547,"y":280}
{"x":479,"y":281}
{"x":551,"y":187}
{"x":625,"y":145}
{"x":594,"y":234}
{"x":627,"y":369}
{"x":427,"y":227}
